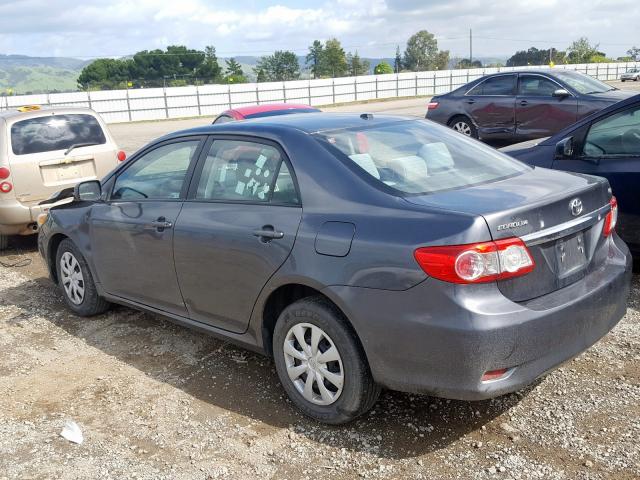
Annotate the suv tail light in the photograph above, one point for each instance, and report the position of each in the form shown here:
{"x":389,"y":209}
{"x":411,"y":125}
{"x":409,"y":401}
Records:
{"x":432,"y":105}
{"x":121,"y":156}
{"x":5,"y":187}
{"x":477,"y":262}
{"x":4,"y":173}
{"x":611,"y":219}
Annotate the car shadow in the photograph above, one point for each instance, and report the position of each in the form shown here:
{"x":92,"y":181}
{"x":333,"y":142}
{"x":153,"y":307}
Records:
{"x":400,"y":426}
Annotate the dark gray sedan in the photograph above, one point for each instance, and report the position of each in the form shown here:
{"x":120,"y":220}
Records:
{"x":359,"y":251}
{"x":523,"y":105}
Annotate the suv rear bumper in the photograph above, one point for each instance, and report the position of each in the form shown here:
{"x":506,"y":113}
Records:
{"x":17,"y":218}
{"x":439,"y":338}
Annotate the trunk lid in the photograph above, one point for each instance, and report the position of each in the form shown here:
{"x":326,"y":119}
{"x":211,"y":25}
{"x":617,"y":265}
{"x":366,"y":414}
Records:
{"x":539,"y":207}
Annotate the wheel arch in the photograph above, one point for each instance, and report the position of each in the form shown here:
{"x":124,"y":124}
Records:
{"x":52,"y":253}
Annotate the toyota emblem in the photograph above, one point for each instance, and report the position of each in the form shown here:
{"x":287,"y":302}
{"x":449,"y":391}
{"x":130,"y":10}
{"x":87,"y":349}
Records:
{"x":575,"y":206}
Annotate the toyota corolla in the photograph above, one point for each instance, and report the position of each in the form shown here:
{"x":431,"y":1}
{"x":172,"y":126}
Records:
{"x":358,"y":251}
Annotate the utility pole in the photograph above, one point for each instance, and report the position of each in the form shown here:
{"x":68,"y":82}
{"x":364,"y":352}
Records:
{"x":470,"y":47}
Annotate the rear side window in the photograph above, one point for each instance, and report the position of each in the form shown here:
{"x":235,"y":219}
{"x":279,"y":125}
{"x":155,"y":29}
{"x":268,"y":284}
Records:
{"x":416,"y":157}
{"x":502,"y":85}
{"x":55,"y":132}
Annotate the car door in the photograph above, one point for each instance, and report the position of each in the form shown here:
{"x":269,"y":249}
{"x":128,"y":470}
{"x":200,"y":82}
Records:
{"x":491,"y":106}
{"x":611,"y":149}
{"x":235,"y":230}
{"x":132,"y":231}
{"x":538,"y":112}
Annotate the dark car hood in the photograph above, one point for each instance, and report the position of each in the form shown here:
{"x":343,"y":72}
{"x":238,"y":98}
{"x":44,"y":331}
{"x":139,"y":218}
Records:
{"x":539,"y":196}
{"x":613,"y":95}
{"x":516,"y":147}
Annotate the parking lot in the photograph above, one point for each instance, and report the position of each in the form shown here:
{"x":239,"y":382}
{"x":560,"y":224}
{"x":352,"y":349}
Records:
{"x":155,"y":400}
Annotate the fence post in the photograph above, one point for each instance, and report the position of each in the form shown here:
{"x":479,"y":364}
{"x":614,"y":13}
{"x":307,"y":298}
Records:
{"x":88,"y":99}
{"x":355,"y":88}
{"x":166,"y":105}
{"x":229,"y":96}
{"x":333,"y":89}
{"x":416,"y":84}
{"x":309,"y":91}
{"x":129,"y":105}
{"x":450,"y":80}
{"x":397,"y":85}
{"x":198,"y":100}
{"x":467,"y":75}
{"x":434,"y":83}
{"x":284,"y":92}
{"x":376,"y":87}
{"x":598,"y":71}
{"x":257,"y":95}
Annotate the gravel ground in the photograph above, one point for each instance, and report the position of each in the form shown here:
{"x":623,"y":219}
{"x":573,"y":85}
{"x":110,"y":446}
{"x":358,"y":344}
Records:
{"x":155,"y":400}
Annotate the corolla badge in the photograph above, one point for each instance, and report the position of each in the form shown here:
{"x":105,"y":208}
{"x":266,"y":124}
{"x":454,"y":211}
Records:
{"x":516,"y":224}
{"x":575,"y":206}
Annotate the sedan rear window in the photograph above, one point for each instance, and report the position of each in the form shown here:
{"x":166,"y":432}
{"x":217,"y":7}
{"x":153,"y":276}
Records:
{"x":55,"y":132}
{"x":418,"y":157}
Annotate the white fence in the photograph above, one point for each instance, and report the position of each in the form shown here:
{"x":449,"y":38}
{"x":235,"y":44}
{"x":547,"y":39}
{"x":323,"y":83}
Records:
{"x":209,"y":100}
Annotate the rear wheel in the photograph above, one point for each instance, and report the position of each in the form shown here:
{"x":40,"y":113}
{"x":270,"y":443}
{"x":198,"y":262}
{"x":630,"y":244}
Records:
{"x":320,"y":363}
{"x":76,"y":282}
{"x":463,"y":125}
{"x":4,"y":242}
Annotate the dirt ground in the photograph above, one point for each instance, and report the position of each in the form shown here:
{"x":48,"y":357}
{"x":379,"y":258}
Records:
{"x":158,"y":401}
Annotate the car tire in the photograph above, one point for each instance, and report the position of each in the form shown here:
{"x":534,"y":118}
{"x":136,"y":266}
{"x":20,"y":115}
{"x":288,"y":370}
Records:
{"x":76,"y":282}
{"x":4,"y":242}
{"x":462,"y":124}
{"x":622,"y":80}
{"x":332,"y":403}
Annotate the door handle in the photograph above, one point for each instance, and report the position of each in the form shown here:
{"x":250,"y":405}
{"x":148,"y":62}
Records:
{"x":267,"y":233}
{"x":161,"y":224}
{"x":470,"y":101}
{"x":524,"y":103}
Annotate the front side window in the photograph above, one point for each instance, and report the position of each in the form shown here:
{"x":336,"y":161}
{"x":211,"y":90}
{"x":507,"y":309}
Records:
{"x":536,"y":86}
{"x":581,"y":82}
{"x":500,"y":85}
{"x":236,"y":170}
{"x":414,"y":156}
{"x":55,"y":132}
{"x":618,"y":134}
{"x":157,"y":175}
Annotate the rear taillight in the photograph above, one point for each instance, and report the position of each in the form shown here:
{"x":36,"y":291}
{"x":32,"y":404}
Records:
{"x":5,"y":187}
{"x":611,"y":219}
{"x":121,"y":156}
{"x":477,"y":262}
{"x":432,"y":105}
{"x":4,"y":173}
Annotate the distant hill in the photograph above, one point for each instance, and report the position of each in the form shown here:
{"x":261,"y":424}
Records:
{"x":21,"y":74}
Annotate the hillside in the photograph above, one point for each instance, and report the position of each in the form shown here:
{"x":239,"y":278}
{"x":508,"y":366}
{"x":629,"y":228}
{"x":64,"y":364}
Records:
{"x":20,"y":74}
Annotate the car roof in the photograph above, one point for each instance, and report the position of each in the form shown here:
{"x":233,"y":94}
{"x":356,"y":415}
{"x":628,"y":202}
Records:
{"x":301,"y":122}
{"x":14,"y":113}
{"x":270,"y":107}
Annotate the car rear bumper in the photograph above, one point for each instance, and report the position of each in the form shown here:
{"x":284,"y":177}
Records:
{"x":17,"y":218}
{"x":439,"y":338}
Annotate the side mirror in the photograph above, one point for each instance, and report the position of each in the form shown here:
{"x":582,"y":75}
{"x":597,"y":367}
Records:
{"x":89,"y":191}
{"x":561,"y":93}
{"x":564,"y":148}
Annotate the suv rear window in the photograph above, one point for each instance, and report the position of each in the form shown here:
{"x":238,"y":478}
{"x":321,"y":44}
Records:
{"x":417,"y":157}
{"x":55,"y":132}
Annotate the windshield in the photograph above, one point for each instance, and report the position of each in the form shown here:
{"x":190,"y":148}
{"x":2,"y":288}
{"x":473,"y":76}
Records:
{"x":582,"y":83}
{"x":417,"y":156}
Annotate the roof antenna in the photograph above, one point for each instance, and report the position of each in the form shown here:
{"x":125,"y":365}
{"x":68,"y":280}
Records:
{"x":366,"y":116}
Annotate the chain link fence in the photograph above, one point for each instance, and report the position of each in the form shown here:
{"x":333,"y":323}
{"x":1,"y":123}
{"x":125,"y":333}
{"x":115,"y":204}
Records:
{"x":209,"y":100}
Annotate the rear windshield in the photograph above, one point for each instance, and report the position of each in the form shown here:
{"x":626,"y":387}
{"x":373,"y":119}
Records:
{"x":55,"y":132}
{"x":417,"y":157}
{"x":274,"y":113}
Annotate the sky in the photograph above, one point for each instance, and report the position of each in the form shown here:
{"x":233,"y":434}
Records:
{"x":112,"y":28}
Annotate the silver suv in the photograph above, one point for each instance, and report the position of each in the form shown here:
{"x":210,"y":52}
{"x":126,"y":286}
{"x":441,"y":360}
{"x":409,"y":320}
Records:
{"x":43,"y":151}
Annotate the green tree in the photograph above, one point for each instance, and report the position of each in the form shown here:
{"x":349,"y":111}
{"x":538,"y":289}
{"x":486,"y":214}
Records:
{"x":335,"y":60}
{"x":105,"y":73}
{"x":261,"y":76}
{"x":634,"y":52}
{"x":466,"y":63}
{"x":234,"y":73}
{"x":533,"y":56}
{"x":383,"y":68}
{"x":209,"y":69}
{"x":581,"y":51}
{"x":422,"y":53}
{"x":397,"y":62}
{"x":281,"y":66}
{"x":316,"y":59}
{"x":356,"y":66}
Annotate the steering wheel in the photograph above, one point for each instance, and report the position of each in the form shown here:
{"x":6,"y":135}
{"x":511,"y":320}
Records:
{"x":631,"y":141}
{"x":120,"y":193}
{"x":595,"y":146}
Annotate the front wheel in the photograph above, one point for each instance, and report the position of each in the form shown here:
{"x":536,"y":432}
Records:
{"x":463,"y":125}
{"x":321,"y":364}
{"x":76,"y":282}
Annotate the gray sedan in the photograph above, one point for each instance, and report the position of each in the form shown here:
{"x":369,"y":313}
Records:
{"x":631,"y":75}
{"x":359,"y":251}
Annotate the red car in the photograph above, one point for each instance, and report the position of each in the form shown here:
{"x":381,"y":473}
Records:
{"x":257,"y":111}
